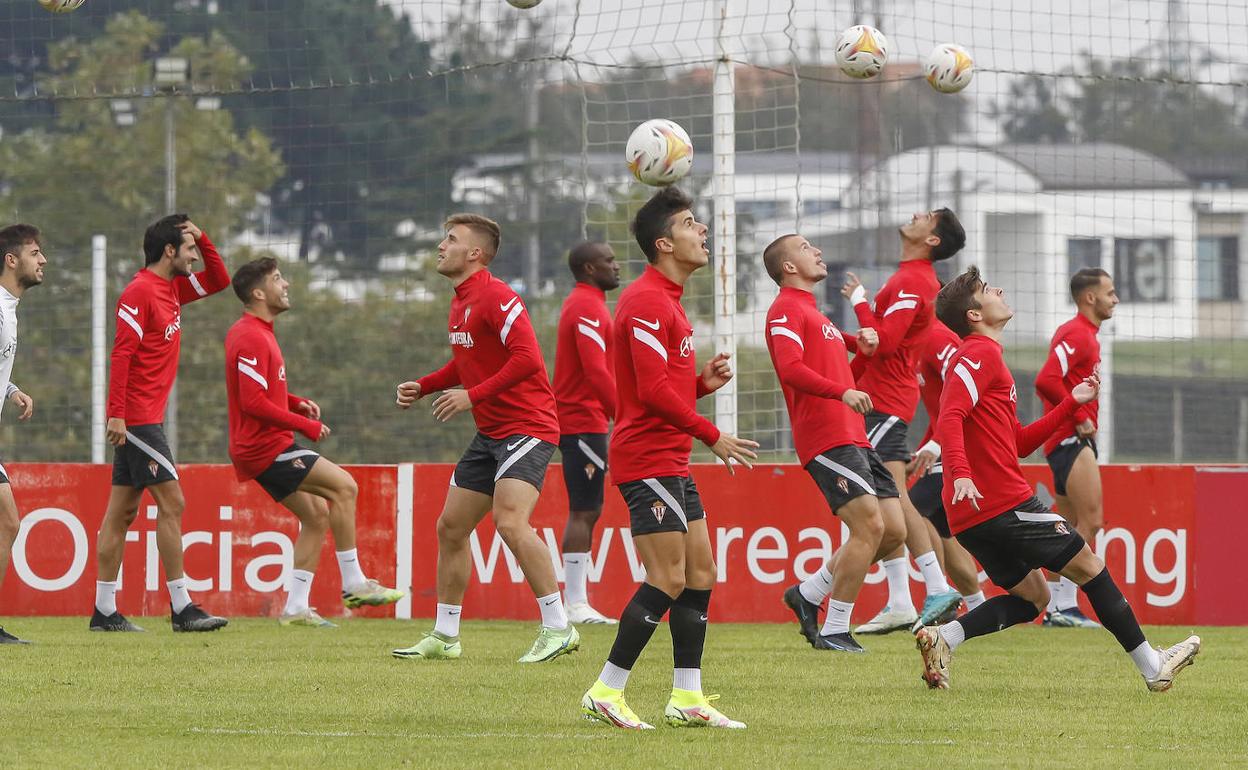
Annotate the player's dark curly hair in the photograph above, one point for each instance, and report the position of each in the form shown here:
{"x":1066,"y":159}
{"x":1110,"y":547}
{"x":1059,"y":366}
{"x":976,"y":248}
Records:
{"x":251,"y":275}
{"x":14,"y":237}
{"x":956,"y":298}
{"x":161,"y":233}
{"x":951,"y":234}
{"x":654,"y":219}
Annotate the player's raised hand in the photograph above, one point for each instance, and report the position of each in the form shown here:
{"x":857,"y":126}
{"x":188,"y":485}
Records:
{"x":964,"y":489}
{"x":732,"y":449}
{"x":451,"y":403}
{"x":407,"y":394}
{"x":115,"y":431}
{"x":857,"y":400}
{"x":717,"y":372}
{"x":190,"y":227}
{"x":25,"y":403}
{"x":309,"y":408}
{"x":853,"y":290}
{"x":868,"y":340}
{"x":1087,"y":390}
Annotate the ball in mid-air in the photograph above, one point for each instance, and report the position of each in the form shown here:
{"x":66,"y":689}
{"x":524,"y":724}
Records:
{"x":949,"y":68}
{"x":862,"y":51}
{"x":659,"y":152}
{"x":61,"y":6}
{"x":524,"y":3}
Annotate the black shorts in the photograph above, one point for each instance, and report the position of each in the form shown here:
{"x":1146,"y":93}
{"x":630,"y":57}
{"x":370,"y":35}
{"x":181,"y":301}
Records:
{"x":584,"y":469}
{"x":144,"y":459}
{"x":289,"y":469}
{"x":1063,"y":459}
{"x":489,"y":459}
{"x":845,"y":472}
{"x":925,"y":494}
{"x":1014,"y":543}
{"x":663,"y":504}
{"x":887,"y":434}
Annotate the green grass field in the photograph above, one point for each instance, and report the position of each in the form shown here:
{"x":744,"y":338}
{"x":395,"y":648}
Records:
{"x":256,"y":695}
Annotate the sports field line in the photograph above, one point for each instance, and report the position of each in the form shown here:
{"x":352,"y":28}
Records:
{"x":354,"y":734}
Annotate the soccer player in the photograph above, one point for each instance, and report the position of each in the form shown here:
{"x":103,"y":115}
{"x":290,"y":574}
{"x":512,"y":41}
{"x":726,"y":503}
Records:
{"x":494,"y":355}
{"x":992,"y":509}
{"x":1074,"y":355}
{"x":21,"y":267}
{"x":902,"y":316}
{"x":657,"y":383}
{"x":144,"y":364}
{"x":926,"y":468}
{"x":263,"y":418}
{"x":825,"y":410}
{"x":585,"y":400}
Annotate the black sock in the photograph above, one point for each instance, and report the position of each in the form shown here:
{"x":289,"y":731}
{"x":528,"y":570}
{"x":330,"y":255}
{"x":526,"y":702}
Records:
{"x":996,"y":614}
{"x":688,"y":624}
{"x":637,"y":623}
{"x":1112,"y":609}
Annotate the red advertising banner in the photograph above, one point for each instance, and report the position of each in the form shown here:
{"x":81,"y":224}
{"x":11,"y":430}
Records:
{"x":1168,"y":530}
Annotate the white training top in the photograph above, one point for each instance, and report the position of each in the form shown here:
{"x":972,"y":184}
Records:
{"x":8,"y":339}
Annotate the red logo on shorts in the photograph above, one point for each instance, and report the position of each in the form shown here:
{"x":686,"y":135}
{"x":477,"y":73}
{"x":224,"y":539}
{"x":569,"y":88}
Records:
{"x":298,"y":463}
{"x":589,"y":471}
{"x":659,"y":510}
{"x":153,"y":467}
{"x":842,"y":485}
{"x":1061,"y":528}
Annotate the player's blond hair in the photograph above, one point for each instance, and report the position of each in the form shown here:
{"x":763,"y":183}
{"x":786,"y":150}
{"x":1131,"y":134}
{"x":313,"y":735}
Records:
{"x":485,"y":227}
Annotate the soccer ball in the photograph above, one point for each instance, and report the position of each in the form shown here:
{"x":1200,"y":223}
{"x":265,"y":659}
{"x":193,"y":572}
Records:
{"x":659,"y":152}
{"x":524,"y":3}
{"x":61,"y":6}
{"x":949,"y":68}
{"x":862,"y":51}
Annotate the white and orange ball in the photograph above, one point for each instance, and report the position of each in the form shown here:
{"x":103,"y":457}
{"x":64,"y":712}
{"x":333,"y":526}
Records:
{"x":862,"y":51}
{"x":659,"y":152}
{"x":524,"y":3}
{"x":61,"y":6}
{"x":949,"y":68}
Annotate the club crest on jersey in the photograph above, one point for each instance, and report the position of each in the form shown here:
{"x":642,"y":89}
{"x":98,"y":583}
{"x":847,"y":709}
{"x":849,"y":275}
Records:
{"x":463,"y":339}
{"x":1014,"y":393}
{"x":659,"y":510}
{"x":281,"y":373}
{"x":9,"y":350}
{"x":590,"y":470}
{"x":172,"y":329}
{"x":842,"y":485}
{"x":153,"y":468}
{"x":467,"y":312}
{"x":1061,"y":528}
{"x":298,"y":463}
{"x":830,"y":331}
{"x":686,"y":347}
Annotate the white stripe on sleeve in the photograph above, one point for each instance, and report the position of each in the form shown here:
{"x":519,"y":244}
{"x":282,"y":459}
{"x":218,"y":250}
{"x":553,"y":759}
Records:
{"x":650,"y":341}
{"x":905,"y":304}
{"x":199,"y":287}
{"x":593,"y":335}
{"x":965,"y":375}
{"x":1060,"y":352}
{"x":782,"y":331}
{"x":516,"y":310}
{"x":131,"y":321}
{"x":253,"y":374}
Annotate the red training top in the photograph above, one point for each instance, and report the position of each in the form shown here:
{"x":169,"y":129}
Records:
{"x":942,"y":343}
{"x":1075,"y":354}
{"x":262,"y":411}
{"x":904,"y":310}
{"x":149,"y":336}
{"x":657,"y":383}
{"x":584,"y":384}
{"x":494,"y":354}
{"x":809,"y":354}
{"x":979,"y":420}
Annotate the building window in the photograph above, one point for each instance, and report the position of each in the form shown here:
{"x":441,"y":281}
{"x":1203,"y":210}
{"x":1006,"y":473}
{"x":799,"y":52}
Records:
{"x":1142,"y":269}
{"x":1081,"y":253}
{"x":1217,"y":268}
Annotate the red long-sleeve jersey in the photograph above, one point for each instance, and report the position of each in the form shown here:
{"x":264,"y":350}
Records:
{"x":934,"y":360}
{"x":811,"y":361}
{"x":1074,"y":354}
{"x":980,"y":436}
{"x":494,"y":354}
{"x":262,"y":411}
{"x":657,"y":383}
{"x":584,"y":383}
{"x":904,"y":310}
{"x":149,"y":336}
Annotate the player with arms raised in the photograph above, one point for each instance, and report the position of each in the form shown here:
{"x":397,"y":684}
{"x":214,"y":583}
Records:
{"x":144,"y":365}
{"x":657,"y":384}
{"x":992,"y":509}
{"x":494,"y":355}
{"x":263,"y":418}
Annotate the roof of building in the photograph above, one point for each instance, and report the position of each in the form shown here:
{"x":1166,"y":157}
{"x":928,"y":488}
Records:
{"x":1093,"y":166}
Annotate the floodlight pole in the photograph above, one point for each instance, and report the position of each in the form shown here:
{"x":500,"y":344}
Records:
{"x":724,"y":226}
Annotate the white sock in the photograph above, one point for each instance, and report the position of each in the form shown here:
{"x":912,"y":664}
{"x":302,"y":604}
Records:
{"x":898,"y":585}
{"x":576,"y":574}
{"x":178,"y":595}
{"x":816,"y":588}
{"x":973,"y":600}
{"x":1054,"y":590}
{"x":447,"y":620}
{"x":953,"y":633}
{"x":553,"y":615}
{"x":929,"y":565}
{"x":1147,"y":660}
{"x":349,"y":566}
{"x":613,"y":676}
{"x":106,"y":596}
{"x":1067,"y":594}
{"x":837,"y":621}
{"x":686,"y":679}
{"x":297,"y":591}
